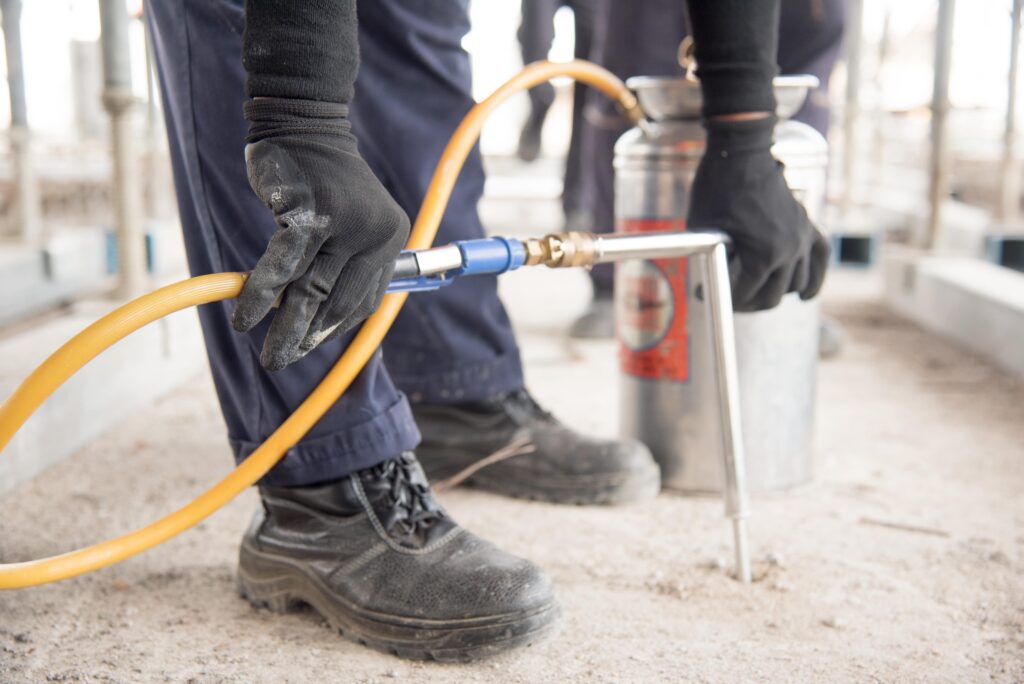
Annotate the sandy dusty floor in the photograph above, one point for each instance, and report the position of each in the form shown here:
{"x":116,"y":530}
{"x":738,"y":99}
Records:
{"x":911,"y":432}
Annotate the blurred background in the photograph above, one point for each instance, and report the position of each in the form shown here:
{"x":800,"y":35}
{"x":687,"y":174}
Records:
{"x":919,"y":409}
{"x":887,"y":156}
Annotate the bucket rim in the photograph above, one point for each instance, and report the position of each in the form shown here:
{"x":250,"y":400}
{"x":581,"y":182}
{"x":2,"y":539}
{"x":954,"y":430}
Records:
{"x":679,"y":97}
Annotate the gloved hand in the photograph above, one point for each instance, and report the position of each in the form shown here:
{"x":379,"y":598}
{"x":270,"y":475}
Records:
{"x":740,"y":189}
{"x":339,"y":229}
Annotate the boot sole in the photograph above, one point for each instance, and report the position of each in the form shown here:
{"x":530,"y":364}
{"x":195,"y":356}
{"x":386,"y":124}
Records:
{"x":282,"y":585}
{"x":610,"y":491}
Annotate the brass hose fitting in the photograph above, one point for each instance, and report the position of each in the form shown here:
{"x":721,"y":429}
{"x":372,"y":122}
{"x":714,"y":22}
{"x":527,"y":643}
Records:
{"x":561,"y":250}
{"x":631,"y":108}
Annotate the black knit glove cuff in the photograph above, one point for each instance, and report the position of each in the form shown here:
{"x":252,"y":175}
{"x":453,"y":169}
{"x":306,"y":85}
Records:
{"x":271,"y":117}
{"x":301,"y":49}
{"x":736,"y":45}
{"x":725,"y":138}
{"x":737,"y":87}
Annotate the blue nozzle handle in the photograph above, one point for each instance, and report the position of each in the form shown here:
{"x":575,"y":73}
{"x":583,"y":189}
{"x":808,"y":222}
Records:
{"x":481,"y":256}
{"x":491,"y":255}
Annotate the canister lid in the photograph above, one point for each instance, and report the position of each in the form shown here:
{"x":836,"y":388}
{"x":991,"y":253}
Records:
{"x":667,"y":97}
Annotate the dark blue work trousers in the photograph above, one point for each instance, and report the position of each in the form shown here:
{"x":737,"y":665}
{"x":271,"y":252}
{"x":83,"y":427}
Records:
{"x":536,"y":34}
{"x":455,"y":344}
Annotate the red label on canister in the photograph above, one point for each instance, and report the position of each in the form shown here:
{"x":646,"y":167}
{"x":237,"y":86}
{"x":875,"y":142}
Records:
{"x":651,"y":302}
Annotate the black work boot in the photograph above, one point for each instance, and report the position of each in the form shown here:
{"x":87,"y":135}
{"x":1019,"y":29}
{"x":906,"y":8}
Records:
{"x":379,"y":559}
{"x":557,"y":465}
{"x":530,"y":137}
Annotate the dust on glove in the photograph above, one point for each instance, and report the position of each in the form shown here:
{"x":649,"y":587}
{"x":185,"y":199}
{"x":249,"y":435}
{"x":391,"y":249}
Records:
{"x":339,"y":231}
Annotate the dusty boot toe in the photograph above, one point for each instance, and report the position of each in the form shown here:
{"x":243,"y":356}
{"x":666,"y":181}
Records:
{"x":511,"y":446}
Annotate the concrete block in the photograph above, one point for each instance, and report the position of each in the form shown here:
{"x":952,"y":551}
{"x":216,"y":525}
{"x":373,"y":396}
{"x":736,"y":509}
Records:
{"x":76,"y":256}
{"x":166,"y":248}
{"x":75,"y":262}
{"x":896,"y":197}
{"x":123,"y":380}
{"x":856,"y":235}
{"x":973,"y":303}
{"x":963,"y":229}
{"x":854,"y":249}
{"x":35,"y":280}
{"x":1005,"y":249}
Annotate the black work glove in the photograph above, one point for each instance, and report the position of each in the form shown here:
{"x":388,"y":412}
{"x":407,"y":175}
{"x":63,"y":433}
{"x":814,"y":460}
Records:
{"x":339,"y":230}
{"x":740,"y":189}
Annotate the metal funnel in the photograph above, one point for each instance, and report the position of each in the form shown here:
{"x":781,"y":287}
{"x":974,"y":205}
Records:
{"x":668,"y":97}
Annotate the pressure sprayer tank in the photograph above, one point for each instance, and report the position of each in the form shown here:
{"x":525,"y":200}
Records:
{"x":669,"y":393}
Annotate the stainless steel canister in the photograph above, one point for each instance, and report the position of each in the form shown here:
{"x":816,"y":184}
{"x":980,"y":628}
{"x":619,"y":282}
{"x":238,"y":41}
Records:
{"x":668,"y":397}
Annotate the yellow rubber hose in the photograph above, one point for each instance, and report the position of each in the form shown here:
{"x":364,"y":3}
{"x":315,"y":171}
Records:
{"x":211,"y":288}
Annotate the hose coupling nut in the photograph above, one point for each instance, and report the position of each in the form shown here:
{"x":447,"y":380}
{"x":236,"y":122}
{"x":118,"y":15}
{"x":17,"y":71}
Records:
{"x":631,"y":108}
{"x":561,"y":250}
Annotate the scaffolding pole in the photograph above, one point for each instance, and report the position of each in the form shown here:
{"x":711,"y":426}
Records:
{"x":938,"y":186}
{"x":119,"y":102}
{"x":851,"y":108}
{"x":1009,"y":178}
{"x":880,"y":117}
{"x":158,"y":199}
{"x":26,"y":189}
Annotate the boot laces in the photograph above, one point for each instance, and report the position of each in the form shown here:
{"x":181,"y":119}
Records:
{"x":412,"y":507}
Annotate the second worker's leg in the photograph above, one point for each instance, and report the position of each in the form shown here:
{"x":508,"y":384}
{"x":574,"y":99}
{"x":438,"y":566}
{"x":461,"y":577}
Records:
{"x":641,"y":39}
{"x":590,"y":18}
{"x":536,"y":32}
{"x":810,"y":38}
{"x":453,"y":351}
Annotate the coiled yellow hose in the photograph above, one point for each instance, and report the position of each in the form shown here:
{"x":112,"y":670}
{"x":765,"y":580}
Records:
{"x":126,"y":319}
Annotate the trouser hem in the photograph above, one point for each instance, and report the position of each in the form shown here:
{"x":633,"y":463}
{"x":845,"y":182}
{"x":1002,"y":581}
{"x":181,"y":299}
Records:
{"x":341,"y":453}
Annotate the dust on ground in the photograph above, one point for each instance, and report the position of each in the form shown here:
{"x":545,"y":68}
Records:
{"x":903,"y":561}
